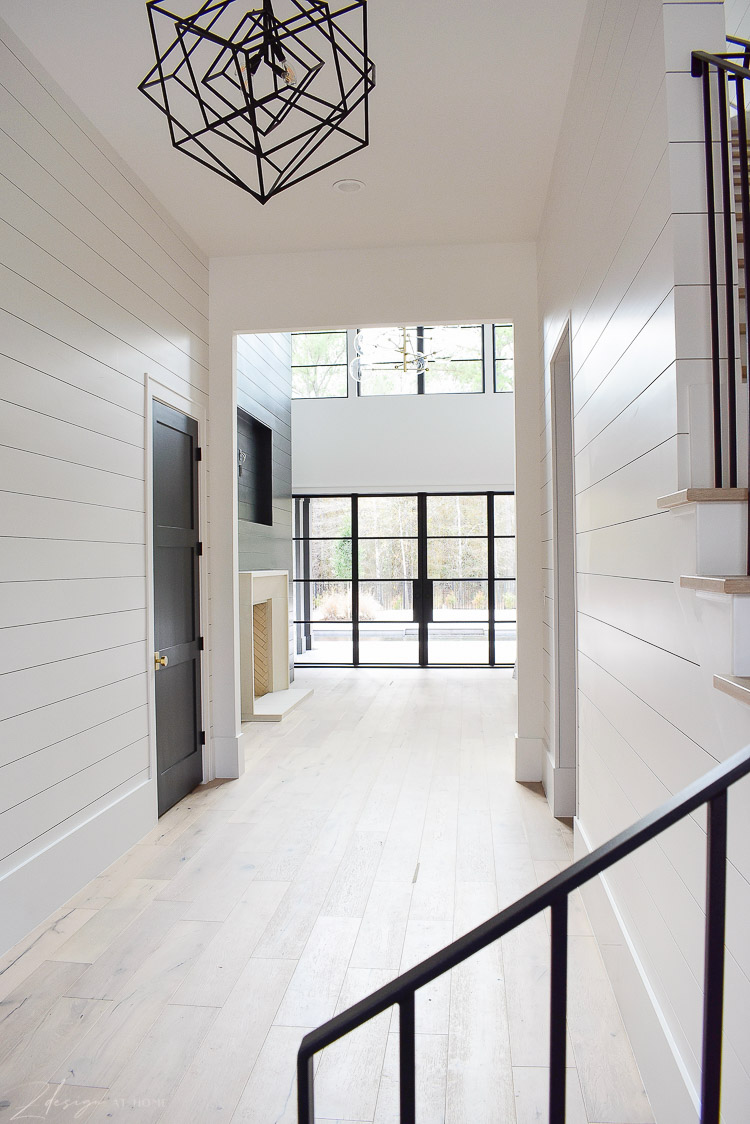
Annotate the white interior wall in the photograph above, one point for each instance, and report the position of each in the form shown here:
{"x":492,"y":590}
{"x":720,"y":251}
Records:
{"x":404,"y":442}
{"x":620,"y":253}
{"x":99,"y":288}
{"x":359,"y":288}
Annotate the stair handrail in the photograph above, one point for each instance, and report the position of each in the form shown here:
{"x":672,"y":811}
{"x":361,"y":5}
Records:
{"x":726,"y":69}
{"x":711,"y":789}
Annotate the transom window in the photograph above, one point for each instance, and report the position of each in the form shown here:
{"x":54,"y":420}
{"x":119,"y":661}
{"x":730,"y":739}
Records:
{"x":417,"y":359}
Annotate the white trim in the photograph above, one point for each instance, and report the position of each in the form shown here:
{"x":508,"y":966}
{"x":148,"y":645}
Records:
{"x":559,"y":784}
{"x":673,"y":1096}
{"x":561,"y":779}
{"x":95,"y":839}
{"x":196,"y":410}
{"x":529,"y":753}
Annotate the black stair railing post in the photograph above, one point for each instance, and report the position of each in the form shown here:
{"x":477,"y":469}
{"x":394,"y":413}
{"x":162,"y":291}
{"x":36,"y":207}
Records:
{"x":558,"y":1011}
{"x":305,"y":1093}
{"x":745,"y":197}
{"x":729,"y":300}
{"x":713,"y":982}
{"x":701,"y":69}
{"x":407,"y":1060}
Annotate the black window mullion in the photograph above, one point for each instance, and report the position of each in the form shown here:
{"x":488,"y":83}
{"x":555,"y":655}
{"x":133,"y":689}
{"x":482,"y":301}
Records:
{"x":355,"y":581}
{"x":306,"y":571}
{"x":491,"y":571}
{"x":484,"y":358}
{"x":422,"y":575}
{"x":420,"y":369}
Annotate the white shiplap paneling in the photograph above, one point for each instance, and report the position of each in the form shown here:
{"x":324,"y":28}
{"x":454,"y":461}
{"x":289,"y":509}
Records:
{"x":97,"y":288}
{"x":622,"y":252}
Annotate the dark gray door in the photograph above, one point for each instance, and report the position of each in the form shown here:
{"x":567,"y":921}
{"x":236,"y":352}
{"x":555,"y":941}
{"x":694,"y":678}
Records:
{"x":177,"y":660}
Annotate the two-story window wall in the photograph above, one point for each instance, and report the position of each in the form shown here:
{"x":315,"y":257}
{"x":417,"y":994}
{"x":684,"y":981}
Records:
{"x":412,"y":580}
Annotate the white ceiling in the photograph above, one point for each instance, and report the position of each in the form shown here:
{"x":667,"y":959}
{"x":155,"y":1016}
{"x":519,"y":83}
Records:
{"x":463,"y":123}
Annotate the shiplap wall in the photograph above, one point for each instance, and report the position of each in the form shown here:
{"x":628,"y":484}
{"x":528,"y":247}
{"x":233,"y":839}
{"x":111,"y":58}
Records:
{"x":620,"y":252}
{"x":97,"y":288}
{"x":264,"y":390}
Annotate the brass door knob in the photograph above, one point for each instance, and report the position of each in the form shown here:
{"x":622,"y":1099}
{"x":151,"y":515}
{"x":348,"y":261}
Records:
{"x":160,"y":661}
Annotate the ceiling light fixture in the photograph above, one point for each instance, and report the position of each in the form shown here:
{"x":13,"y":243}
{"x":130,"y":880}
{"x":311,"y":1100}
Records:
{"x":378,"y":353}
{"x":263,"y":101}
{"x":348,"y":187}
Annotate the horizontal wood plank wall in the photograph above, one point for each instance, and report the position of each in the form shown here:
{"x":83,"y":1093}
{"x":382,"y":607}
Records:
{"x":619,"y":253}
{"x":264,"y":390}
{"x":97,"y":287}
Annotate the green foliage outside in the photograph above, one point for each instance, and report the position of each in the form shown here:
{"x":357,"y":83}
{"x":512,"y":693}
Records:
{"x":504,"y":356}
{"x":319,"y":365}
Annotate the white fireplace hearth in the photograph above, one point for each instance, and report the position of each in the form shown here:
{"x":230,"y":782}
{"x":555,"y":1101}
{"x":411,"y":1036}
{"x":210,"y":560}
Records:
{"x":264,"y":647}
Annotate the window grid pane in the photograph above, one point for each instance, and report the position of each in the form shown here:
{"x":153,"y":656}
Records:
{"x":386,"y":600}
{"x":503,"y":346}
{"x":421,"y":360}
{"x":322,"y":601}
{"x":460,"y":516}
{"x":319,"y":365}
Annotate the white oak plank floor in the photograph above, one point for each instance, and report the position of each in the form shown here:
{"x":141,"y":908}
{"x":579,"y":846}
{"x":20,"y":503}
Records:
{"x":373,"y":825}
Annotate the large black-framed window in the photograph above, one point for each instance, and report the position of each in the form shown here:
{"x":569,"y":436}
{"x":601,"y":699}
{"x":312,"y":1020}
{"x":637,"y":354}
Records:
{"x":418,"y":579}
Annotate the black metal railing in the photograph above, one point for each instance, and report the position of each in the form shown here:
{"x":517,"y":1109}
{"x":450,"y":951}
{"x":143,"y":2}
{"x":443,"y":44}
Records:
{"x":710,"y":790}
{"x":720,"y":74}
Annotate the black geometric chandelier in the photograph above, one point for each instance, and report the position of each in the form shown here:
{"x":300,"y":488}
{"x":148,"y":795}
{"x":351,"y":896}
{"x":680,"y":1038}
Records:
{"x":262,"y":100}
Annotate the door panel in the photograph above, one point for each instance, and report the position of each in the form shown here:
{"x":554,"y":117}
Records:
{"x":179,"y":749}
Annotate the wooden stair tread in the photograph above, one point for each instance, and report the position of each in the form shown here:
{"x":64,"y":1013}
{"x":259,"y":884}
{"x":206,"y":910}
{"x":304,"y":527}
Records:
{"x":730,"y":584}
{"x":734,"y":685}
{"x":703,"y":495}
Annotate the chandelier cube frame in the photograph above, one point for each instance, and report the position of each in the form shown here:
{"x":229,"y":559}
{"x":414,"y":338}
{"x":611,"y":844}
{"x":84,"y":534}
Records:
{"x":263,"y":101}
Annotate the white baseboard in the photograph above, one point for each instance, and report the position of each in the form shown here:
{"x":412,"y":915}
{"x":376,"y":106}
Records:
{"x":560,"y":787}
{"x":34,"y":890}
{"x":229,"y":757}
{"x":529,"y":752}
{"x":673,"y":1097}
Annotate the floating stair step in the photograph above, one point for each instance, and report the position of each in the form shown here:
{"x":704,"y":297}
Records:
{"x":731,"y":584}
{"x":703,"y":495}
{"x":733,"y":685}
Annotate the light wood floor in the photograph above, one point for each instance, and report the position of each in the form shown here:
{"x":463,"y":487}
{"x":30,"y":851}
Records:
{"x":379,"y":821}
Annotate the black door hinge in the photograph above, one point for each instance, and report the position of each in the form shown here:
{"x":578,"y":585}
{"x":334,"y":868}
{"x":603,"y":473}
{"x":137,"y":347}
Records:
{"x":200,"y":643}
{"x":199,"y":548}
{"x":199,"y":454}
{"x":203,"y":737}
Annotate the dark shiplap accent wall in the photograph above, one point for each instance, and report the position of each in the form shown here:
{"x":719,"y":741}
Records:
{"x":264,"y":390}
